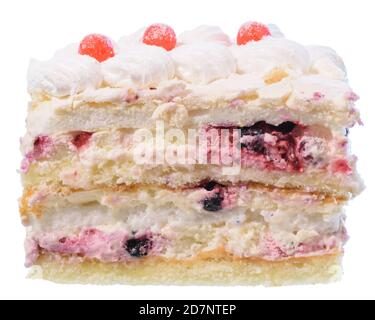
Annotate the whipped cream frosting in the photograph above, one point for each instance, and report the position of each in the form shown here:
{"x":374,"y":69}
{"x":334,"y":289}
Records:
{"x":326,"y":62}
{"x":202,"y":63}
{"x":142,"y":65}
{"x":275,"y":31}
{"x":204,"y":34}
{"x":133,"y":39}
{"x":64,"y":75}
{"x":260,"y":58}
{"x":202,"y":56}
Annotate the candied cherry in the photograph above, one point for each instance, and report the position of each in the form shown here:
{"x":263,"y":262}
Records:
{"x":252,"y":31}
{"x":97,"y":46}
{"x":160,"y":35}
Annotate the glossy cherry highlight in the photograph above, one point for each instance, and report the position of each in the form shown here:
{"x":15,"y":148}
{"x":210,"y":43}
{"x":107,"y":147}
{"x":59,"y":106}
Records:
{"x":252,"y":31}
{"x":97,"y":46}
{"x":160,"y":35}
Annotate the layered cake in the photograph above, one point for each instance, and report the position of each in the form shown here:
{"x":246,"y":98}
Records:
{"x":194,"y":159}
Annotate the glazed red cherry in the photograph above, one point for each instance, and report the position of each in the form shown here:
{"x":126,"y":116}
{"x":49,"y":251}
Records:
{"x":160,"y":35}
{"x":97,"y":46}
{"x":252,"y":31}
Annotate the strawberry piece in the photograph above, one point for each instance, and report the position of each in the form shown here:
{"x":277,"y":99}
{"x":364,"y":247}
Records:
{"x":97,"y":46}
{"x":42,"y":146}
{"x":81,"y":139}
{"x":252,"y":31}
{"x":160,"y":35}
{"x":342,"y":166}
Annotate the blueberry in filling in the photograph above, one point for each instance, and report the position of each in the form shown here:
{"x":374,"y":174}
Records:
{"x":263,"y":127}
{"x":210,"y":185}
{"x":213,"y":203}
{"x":138,"y":247}
{"x":286,"y":127}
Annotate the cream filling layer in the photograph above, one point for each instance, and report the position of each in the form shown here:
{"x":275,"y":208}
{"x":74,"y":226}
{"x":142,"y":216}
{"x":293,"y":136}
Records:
{"x":85,"y":160}
{"x":95,"y":231}
{"x":193,"y":202}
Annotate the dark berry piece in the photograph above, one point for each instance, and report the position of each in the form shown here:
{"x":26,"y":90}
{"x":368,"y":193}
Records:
{"x":286,"y":127}
{"x":249,"y":131}
{"x":41,"y":143}
{"x":263,"y":127}
{"x":138,"y":247}
{"x":210,"y":185}
{"x":257,"y":146}
{"x":81,"y":139}
{"x":213,"y":203}
{"x":258,"y":128}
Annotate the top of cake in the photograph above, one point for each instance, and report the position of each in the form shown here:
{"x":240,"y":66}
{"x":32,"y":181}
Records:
{"x":205,"y":55}
{"x":199,"y":78}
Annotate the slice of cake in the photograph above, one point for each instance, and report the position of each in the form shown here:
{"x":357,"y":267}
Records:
{"x":189,"y":160}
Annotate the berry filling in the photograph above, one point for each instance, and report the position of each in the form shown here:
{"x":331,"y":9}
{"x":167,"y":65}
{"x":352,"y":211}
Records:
{"x":119,"y":246}
{"x":274,"y":249}
{"x":138,"y":247}
{"x":213,"y":203}
{"x":81,"y":139}
{"x":43,"y":147}
{"x":342,"y":166}
{"x":286,"y":147}
{"x":274,"y":147}
{"x":217,"y":196}
{"x":209,"y":185}
{"x":93,"y":243}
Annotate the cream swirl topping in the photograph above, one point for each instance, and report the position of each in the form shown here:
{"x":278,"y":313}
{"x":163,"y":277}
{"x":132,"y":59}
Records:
{"x":326,"y":62}
{"x":260,"y":58}
{"x":64,"y":75}
{"x":205,"y":34}
{"x":131,"y":40}
{"x":202,"y":63}
{"x":203,"y":55}
{"x":141,"y":64}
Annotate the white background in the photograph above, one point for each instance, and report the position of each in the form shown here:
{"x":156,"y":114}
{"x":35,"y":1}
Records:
{"x":36,"y":28}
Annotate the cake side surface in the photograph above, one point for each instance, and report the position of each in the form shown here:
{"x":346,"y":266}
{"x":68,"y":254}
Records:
{"x":202,"y":81}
